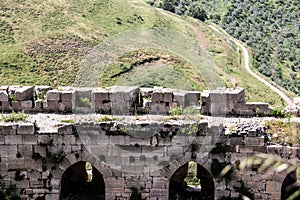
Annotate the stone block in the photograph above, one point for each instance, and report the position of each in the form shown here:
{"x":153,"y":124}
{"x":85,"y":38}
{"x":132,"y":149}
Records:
{"x":40,"y":150}
{"x":159,"y":193}
{"x":3,"y":168}
{"x":276,"y":195}
{"x":273,"y":186}
{"x":254,"y":141}
{"x":43,"y":139}
{"x":16,"y":164}
{"x":8,"y":129}
{"x":69,"y":139}
{"x":29,"y":139}
{"x":124,"y":93}
{"x":252,"y":133}
{"x":120,"y":108}
{"x":25,"y":150}
{"x":159,"y":184}
{"x":25,"y":129}
{"x":67,"y":96}
{"x":16,"y":105}
{"x":3,"y":95}
{"x":4,"y":87}
{"x":2,"y":139}
{"x":13,"y":139}
{"x":24,"y":93}
{"x":8,"y":150}
{"x":22,"y":184}
{"x":55,"y":183}
{"x":179,"y":97}
{"x":53,"y":95}
{"x":168,"y":96}
{"x":158,"y":108}
{"x":112,"y":182}
{"x":100,"y":95}
{"x":66,"y":106}
{"x":157,"y":97}
{"x":192,"y":98}
{"x":66,"y":129}
{"x":36,"y":184}
{"x":53,"y":106}
{"x":26,"y":105}
{"x":4,"y":106}
{"x":236,"y":140}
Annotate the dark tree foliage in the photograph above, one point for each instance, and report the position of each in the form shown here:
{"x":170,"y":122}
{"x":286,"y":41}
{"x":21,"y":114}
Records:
{"x":191,"y":8}
{"x":270,"y":28}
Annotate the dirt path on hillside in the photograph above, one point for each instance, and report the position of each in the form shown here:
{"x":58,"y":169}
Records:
{"x":203,"y":44}
{"x":247,"y":66}
{"x":201,"y":38}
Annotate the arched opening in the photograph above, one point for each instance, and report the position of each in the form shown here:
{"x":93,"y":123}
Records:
{"x":82,"y":181}
{"x":290,"y":187}
{"x":191,"y":181}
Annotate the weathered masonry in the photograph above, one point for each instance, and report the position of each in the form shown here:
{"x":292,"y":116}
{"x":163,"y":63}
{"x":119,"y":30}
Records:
{"x":51,"y":165}
{"x":126,"y":156}
{"x":126,"y":100}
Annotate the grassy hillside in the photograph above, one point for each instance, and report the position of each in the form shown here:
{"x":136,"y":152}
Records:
{"x":46,"y":42}
{"x":43,"y":42}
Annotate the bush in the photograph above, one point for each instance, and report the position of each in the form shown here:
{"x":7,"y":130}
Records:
{"x":84,"y":102}
{"x":15,"y":117}
{"x":190,"y":110}
{"x":106,"y":118}
{"x":176,"y":111}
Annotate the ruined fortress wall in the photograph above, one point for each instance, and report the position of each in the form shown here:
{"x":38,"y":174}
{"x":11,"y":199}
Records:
{"x":35,"y":161}
{"x":125,"y":100}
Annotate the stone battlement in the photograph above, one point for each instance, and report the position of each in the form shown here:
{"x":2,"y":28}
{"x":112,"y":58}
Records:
{"x":126,"y":100}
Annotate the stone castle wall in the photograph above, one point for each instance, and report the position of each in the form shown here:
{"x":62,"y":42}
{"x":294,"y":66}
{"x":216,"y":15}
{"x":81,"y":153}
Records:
{"x":27,"y":158}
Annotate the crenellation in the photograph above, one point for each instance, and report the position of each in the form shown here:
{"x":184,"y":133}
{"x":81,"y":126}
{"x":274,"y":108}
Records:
{"x":24,"y":93}
{"x":126,"y":100}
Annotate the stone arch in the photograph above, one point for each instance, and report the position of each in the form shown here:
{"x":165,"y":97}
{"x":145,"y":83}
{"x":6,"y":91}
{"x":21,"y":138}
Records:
{"x":290,"y":185}
{"x":178,"y":187}
{"x":74,"y":183}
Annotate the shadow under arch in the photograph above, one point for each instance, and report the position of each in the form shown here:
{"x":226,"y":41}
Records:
{"x":75,"y":185}
{"x":178,"y":189}
{"x":290,"y":186}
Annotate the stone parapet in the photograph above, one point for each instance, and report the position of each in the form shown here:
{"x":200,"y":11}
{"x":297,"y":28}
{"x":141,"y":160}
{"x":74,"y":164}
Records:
{"x":126,"y":100}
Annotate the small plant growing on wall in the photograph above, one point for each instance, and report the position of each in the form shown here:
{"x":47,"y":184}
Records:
{"x":84,"y":102}
{"x":11,"y":97}
{"x":106,"y":118}
{"x":15,"y":117}
{"x":176,"y":111}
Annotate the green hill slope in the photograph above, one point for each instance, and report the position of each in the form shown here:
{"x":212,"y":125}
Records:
{"x":49,"y":42}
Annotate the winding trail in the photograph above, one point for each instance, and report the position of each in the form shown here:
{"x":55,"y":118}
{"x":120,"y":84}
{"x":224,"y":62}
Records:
{"x":202,"y":44}
{"x":201,"y":38}
{"x":247,"y":66}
